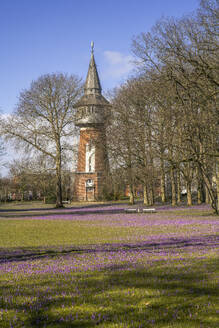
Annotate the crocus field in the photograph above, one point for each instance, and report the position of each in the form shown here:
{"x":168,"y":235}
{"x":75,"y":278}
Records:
{"x":98,"y":266}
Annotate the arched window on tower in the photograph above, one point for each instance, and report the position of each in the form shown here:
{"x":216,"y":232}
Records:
{"x":90,"y":157}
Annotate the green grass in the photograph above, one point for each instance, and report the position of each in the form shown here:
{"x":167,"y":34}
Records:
{"x":44,"y":283}
{"x":35,"y":233}
{"x":161,"y":296}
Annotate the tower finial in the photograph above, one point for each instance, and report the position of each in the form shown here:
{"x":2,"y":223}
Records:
{"x":92,"y":47}
{"x":92,"y":83}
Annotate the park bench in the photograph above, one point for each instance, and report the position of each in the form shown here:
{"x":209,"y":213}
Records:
{"x":131,"y":210}
{"x":148,"y":210}
{"x":140,"y":210}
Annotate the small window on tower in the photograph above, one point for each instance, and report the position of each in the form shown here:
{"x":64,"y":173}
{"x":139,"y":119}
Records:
{"x":89,"y":183}
{"x":90,"y":167}
{"x":90,"y":145}
{"x":90,"y":157}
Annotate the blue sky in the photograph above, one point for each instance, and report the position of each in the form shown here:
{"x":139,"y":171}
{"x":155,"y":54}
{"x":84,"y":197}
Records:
{"x":46,"y":36}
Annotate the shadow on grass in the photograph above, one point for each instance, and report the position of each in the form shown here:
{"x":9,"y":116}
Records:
{"x":167,"y":245}
{"x":99,"y":209}
{"x":2,"y":210}
{"x":161,"y":295}
{"x":81,"y":212}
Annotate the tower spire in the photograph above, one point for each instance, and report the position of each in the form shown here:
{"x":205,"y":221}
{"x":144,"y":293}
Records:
{"x":92,"y":47}
{"x":92,"y":84}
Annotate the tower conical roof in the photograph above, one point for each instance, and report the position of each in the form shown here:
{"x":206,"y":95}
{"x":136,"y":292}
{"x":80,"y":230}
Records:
{"x":92,"y":87}
{"x":92,"y":84}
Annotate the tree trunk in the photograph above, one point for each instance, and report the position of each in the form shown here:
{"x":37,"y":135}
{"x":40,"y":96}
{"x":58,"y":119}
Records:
{"x":151,"y":195}
{"x":199,"y":195}
{"x":146,"y":201}
{"x":200,"y":189}
{"x":178,"y":187}
{"x":207,"y":197}
{"x":162,"y":182}
{"x":131,"y":182}
{"x":212,"y":197}
{"x":173,"y":186}
{"x":162,"y":188}
{"x":217,"y":182}
{"x":58,"y":181}
{"x":200,"y":192}
{"x":189,"y":193}
{"x":131,"y":195}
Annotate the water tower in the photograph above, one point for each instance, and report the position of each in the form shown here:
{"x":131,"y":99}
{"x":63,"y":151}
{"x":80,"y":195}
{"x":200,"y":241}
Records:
{"x":92,"y":166}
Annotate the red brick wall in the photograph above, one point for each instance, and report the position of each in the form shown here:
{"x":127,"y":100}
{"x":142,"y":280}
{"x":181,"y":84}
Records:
{"x":97,"y":135}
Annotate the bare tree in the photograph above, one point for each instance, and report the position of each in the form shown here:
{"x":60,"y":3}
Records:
{"x":187,"y":51}
{"x":44,"y":119}
{"x":120,"y":136}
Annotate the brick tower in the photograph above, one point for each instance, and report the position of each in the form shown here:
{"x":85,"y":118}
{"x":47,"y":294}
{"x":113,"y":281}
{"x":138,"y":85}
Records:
{"x":92,"y":156}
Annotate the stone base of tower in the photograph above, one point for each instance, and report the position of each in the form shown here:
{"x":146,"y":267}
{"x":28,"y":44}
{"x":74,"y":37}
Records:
{"x":88,"y":187}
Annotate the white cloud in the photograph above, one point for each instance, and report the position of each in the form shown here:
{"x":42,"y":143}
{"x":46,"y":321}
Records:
{"x":118,"y":65}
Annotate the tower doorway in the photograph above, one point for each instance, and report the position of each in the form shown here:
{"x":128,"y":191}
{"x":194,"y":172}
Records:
{"x":90,"y":187}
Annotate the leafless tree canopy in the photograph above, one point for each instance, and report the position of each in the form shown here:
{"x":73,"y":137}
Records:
{"x":44,"y":119}
{"x":166,"y":120}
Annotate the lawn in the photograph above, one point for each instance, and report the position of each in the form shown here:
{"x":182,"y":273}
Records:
{"x":98,"y":266}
